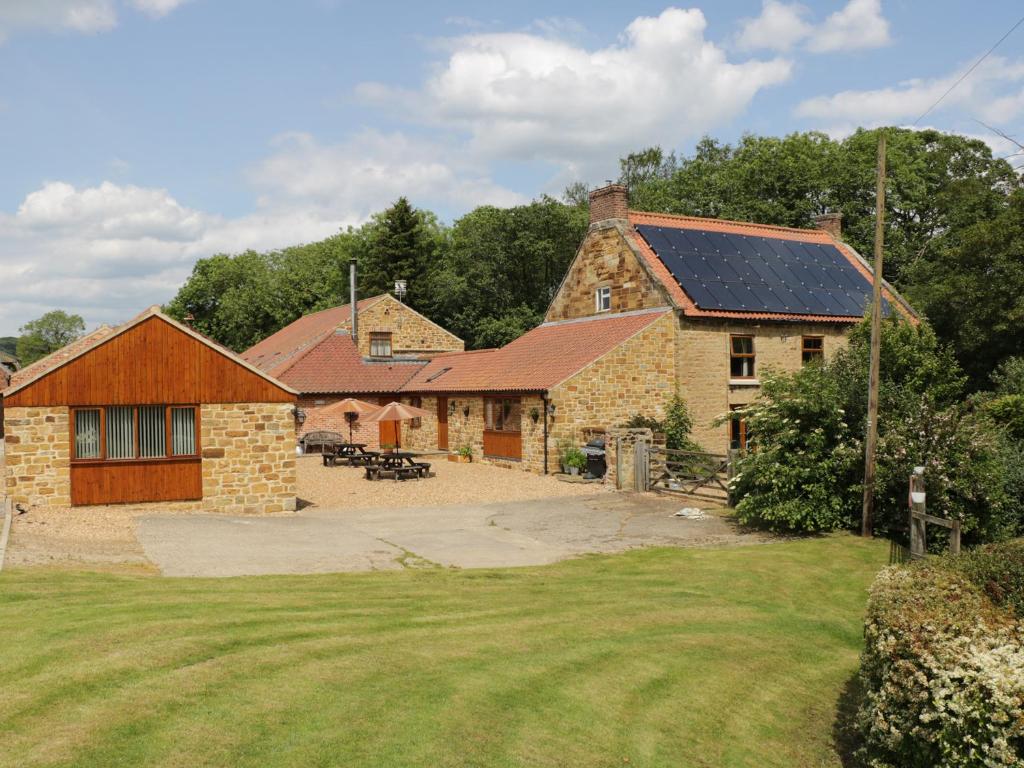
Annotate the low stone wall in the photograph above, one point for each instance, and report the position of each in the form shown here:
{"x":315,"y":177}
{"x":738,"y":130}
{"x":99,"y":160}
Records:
{"x":38,"y":455}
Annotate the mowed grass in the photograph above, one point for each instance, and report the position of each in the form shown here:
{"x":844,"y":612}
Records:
{"x":663,"y":657}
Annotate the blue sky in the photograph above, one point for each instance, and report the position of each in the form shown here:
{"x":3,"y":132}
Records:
{"x":137,"y":136}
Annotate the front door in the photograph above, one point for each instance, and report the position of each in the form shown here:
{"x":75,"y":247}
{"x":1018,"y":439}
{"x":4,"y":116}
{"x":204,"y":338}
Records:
{"x":390,"y":432}
{"x":442,"y":423}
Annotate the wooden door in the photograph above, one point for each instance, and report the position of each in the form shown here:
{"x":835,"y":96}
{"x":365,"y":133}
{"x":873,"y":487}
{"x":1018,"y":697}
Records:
{"x":442,"y":423}
{"x":390,"y":431}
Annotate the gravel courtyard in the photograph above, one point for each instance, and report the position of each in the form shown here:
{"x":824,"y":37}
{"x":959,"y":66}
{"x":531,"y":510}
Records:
{"x":468,"y":515}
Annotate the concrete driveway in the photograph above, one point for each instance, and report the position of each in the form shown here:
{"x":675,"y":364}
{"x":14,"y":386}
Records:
{"x":465,"y":536}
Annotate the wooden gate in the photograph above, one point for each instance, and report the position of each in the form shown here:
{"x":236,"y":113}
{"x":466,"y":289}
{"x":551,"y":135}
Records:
{"x":687,"y":473}
{"x":442,"y":423}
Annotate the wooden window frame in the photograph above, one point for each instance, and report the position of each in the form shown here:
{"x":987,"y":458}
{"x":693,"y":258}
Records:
{"x":517,"y":404}
{"x":600,"y":293}
{"x":740,"y":425}
{"x":416,"y":402}
{"x":136,"y":458}
{"x":734,"y":355}
{"x":379,"y":336}
{"x":811,"y":354}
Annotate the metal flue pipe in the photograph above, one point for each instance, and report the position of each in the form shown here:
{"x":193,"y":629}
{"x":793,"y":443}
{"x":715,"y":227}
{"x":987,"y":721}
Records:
{"x":353,"y":302}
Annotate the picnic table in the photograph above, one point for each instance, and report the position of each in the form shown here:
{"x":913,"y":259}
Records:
{"x":354,"y":454}
{"x":401,"y":464}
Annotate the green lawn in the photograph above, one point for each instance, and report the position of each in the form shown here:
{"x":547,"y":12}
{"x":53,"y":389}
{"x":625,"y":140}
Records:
{"x":727,"y":657}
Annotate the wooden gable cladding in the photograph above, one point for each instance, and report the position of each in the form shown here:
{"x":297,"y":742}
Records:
{"x":153,"y":362}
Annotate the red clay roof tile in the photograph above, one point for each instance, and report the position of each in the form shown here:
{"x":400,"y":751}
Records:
{"x":535,"y":362}
{"x":333,"y":364}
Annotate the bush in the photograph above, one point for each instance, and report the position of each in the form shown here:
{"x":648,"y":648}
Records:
{"x":676,"y":426}
{"x":943,"y":667}
{"x":998,"y":570}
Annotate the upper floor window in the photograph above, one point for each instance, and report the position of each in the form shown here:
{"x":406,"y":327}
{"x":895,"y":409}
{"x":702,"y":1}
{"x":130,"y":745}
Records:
{"x":603,"y":299}
{"x":741,"y":357}
{"x":812,"y":349}
{"x":380,"y":344}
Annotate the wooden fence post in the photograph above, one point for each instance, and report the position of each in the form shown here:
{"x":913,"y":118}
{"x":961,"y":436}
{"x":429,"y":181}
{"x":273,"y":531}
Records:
{"x":918,"y":546}
{"x":641,"y":465}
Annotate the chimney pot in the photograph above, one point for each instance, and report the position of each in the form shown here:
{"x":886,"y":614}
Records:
{"x":609,"y":202}
{"x":831,"y":223}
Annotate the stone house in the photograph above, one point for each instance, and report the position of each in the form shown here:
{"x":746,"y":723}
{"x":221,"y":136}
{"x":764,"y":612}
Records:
{"x":149,"y":412}
{"x":711,"y":306}
{"x":319,"y":358}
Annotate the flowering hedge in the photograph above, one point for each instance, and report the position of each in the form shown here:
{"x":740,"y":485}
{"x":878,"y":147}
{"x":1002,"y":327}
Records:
{"x":942,"y":671}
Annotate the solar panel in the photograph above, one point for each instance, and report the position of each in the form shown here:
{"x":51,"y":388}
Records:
{"x":745,"y":273}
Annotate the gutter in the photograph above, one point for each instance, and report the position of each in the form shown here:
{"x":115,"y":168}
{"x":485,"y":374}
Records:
{"x":544,"y":399}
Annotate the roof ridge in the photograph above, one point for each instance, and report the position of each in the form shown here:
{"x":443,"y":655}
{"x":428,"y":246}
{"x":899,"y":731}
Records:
{"x":733,"y":222}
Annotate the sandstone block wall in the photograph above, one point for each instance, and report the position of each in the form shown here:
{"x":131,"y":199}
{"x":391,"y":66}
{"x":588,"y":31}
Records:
{"x":411,"y":333}
{"x":702,"y":366}
{"x":637,"y":377}
{"x":38,"y":456}
{"x":604,"y":259}
{"x":248,"y":452}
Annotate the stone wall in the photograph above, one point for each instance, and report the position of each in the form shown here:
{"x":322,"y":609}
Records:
{"x":411,"y":333}
{"x":637,"y":377}
{"x":604,"y":259}
{"x":248,"y":452}
{"x":37,"y":444}
{"x":702,"y":366}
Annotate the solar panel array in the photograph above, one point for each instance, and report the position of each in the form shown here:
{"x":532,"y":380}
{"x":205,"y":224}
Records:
{"x":744,"y":273}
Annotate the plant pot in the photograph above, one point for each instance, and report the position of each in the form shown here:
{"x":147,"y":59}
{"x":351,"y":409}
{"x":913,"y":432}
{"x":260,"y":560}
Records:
{"x":458,"y":458}
{"x":574,"y":471}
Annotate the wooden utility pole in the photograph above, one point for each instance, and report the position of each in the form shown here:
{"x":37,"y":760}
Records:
{"x":867,"y":519}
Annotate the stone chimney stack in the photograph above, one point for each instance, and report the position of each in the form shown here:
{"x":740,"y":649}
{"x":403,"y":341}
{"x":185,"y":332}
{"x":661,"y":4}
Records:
{"x":610,"y":202}
{"x":831,"y":223}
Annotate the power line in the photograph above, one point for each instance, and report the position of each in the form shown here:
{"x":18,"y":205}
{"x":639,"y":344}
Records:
{"x":968,"y":72}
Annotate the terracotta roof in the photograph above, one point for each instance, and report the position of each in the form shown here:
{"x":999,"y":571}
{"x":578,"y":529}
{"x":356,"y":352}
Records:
{"x":535,"y":362}
{"x":79,"y":347}
{"x":686,"y":304}
{"x":333,"y":364}
{"x":276,"y":352}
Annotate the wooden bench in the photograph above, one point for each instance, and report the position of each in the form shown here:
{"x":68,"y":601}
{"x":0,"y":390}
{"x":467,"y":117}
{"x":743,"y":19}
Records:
{"x":376,"y":472}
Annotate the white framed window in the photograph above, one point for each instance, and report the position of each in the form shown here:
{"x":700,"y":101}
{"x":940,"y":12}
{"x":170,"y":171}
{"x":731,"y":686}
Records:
{"x":603,"y":299}
{"x":380,"y":344}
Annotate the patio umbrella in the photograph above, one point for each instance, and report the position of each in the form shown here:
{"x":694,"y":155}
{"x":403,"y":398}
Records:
{"x":397,"y":412}
{"x":350,"y":406}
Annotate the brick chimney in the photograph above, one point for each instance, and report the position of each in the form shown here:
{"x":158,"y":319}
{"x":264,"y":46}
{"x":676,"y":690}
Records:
{"x":831,"y":223}
{"x":610,"y":202}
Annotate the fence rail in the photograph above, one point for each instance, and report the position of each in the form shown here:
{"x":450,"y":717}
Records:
{"x":687,"y":472}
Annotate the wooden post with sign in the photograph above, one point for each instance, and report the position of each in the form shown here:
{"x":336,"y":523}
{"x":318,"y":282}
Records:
{"x":919,"y":519}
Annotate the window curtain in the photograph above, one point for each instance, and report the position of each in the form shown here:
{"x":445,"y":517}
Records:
{"x":152,"y":432}
{"x":87,"y":434}
{"x":120,"y":432}
{"x":183,"y":431}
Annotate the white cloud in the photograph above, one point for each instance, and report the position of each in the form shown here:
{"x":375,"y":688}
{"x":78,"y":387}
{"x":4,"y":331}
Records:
{"x":779,"y":27}
{"x":992,"y":93}
{"x":83,"y":16}
{"x":156,"y":8}
{"x":368,"y":172}
{"x":109,"y":250}
{"x":56,"y":15}
{"x":860,"y":24}
{"x":536,"y":97}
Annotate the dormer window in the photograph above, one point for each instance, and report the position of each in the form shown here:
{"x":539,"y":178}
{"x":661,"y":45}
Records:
{"x":380,"y":344}
{"x":603,"y":299}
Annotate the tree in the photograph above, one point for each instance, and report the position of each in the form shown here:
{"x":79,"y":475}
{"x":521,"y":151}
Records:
{"x":47,"y":334}
{"x":9,"y":344}
{"x":401,"y":243}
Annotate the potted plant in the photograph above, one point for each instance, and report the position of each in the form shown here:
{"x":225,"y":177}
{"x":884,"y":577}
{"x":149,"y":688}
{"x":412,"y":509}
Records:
{"x":574,"y":460}
{"x":464,"y":455}
{"x":388,"y":447}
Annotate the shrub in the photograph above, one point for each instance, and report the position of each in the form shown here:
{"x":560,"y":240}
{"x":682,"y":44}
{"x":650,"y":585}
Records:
{"x":676,"y":426}
{"x":805,"y":469}
{"x":942,"y":670}
{"x":574,"y":458}
{"x":999,"y":571}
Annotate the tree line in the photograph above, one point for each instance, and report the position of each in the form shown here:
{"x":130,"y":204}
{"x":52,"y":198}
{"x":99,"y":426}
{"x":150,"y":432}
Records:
{"x":954,"y":241}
